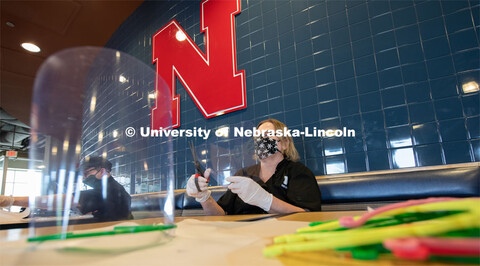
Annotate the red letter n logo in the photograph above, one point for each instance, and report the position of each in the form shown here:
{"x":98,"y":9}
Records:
{"x":211,"y":79}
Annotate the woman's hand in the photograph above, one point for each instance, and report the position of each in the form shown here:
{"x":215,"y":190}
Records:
{"x":250,"y":192}
{"x":192,"y":191}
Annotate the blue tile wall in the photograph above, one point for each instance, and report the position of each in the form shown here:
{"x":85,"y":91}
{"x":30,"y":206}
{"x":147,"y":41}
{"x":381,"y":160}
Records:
{"x":392,"y":70}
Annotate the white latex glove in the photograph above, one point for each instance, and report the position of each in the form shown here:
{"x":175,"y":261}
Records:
{"x":192,"y":191}
{"x":6,"y":201}
{"x":250,"y":192}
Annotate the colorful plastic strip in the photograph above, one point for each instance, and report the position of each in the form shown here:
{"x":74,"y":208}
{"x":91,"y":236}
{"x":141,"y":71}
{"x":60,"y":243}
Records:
{"x":421,"y":248}
{"x":349,"y":221}
{"x":368,"y":236}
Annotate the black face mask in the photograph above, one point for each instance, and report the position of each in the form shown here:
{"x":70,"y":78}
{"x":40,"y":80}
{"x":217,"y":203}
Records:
{"x":92,"y":181}
{"x":265,"y":147}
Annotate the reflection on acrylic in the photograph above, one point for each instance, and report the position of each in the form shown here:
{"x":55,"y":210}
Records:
{"x":403,"y":158}
{"x":400,"y":142}
{"x":335,"y":166}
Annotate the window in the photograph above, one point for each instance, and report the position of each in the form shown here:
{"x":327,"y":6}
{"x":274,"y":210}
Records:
{"x":22,"y":182}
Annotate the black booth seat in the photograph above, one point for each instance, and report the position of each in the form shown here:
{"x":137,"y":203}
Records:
{"x":356,"y":191}
{"x":377,"y":189}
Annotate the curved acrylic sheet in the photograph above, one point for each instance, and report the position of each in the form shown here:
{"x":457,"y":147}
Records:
{"x":225,"y":151}
{"x":88,"y":102}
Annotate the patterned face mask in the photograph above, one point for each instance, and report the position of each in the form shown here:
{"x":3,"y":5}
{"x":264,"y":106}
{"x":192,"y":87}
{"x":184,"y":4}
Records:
{"x":265,"y":147}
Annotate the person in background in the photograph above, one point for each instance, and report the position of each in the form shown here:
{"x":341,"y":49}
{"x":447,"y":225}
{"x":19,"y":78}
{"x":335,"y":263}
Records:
{"x":279,"y":184}
{"x":116,"y":204}
{"x":111,"y":203}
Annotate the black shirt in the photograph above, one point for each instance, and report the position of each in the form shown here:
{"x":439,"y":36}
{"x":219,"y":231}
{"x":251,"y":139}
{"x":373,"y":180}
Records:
{"x":292,"y":182}
{"x":116,"y":205}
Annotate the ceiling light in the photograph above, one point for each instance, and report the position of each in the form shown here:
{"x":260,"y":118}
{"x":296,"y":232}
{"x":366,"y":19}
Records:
{"x":469,"y":87}
{"x":31,"y":47}
{"x":93,"y":103}
{"x":54,"y":150}
{"x":222,"y":132}
{"x":78,"y":149}
{"x":66,"y":144}
{"x":180,"y":36}
{"x":122,"y":79}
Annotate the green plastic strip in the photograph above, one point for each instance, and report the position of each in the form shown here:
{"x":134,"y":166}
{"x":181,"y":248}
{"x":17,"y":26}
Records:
{"x":116,"y":231}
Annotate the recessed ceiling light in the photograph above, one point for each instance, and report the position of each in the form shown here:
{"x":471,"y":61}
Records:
{"x":180,"y":36}
{"x":31,"y":47}
{"x":122,"y":79}
{"x":10,"y":24}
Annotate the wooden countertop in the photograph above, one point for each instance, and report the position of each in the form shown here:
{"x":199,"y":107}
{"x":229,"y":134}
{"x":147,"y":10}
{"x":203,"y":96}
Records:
{"x":304,"y":217}
{"x":239,"y":257}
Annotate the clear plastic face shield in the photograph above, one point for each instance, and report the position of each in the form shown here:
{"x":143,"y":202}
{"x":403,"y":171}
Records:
{"x":229,"y":149}
{"x":91,"y":104}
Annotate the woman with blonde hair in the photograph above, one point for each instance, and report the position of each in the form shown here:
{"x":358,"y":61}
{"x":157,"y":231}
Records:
{"x":278,"y":184}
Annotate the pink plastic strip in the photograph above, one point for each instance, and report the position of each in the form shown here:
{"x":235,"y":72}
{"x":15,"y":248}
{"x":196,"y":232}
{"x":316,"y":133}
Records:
{"x":348,"y":221}
{"x":423,"y":247}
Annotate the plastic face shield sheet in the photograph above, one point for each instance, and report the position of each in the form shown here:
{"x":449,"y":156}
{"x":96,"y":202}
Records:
{"x":226,"y":152}
{"x":93,"y":102}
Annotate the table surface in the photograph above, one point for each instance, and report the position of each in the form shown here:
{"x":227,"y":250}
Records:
{"x":303,"y":217}
{"x":303,"y":258}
